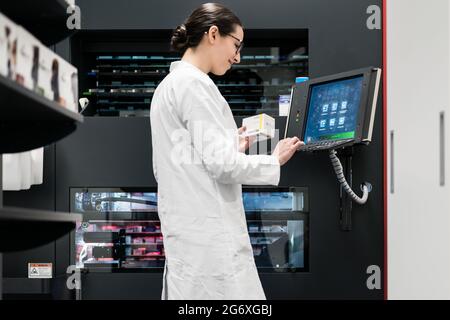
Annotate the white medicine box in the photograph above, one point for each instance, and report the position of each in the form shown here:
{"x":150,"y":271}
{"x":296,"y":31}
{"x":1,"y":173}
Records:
{"x":48,"y":84}
{"x":262,"y":126}
{"x":8,"y":47}
{"x":27,"y":70}
{"x":68,"y":82}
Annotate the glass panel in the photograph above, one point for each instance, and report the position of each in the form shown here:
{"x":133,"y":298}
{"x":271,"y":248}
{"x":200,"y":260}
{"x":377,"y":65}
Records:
{"x":121,"y":82}
{"x":121,"y":230}
{"x":114,"y":244}
{"x":277,"y":244}
{"x":273,"y":201}
{"x":115,"y":201}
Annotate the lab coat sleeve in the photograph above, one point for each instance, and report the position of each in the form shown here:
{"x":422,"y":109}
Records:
{"x":154,"y":171}
{"x":218,"y":147}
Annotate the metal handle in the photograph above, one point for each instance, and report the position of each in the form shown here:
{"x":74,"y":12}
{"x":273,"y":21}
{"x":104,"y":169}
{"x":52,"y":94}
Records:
{"x":391,"y":162}
{"x":441,"y":148}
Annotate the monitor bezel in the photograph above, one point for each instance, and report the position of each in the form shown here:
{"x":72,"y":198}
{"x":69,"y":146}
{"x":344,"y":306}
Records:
{"x":301,"y":96}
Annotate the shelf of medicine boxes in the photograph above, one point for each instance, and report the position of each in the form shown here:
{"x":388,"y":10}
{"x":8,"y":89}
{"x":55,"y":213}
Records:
{"x":238,"y":94}
{"x":45,"y":19}
{"x":22,"y":229}
{"x":29,"y":120}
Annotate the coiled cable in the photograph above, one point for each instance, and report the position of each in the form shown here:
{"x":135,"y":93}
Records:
{"x":337,"y":166}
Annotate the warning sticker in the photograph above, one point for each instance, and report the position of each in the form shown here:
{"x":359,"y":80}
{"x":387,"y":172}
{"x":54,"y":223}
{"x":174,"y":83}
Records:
{"x":40,"y":270}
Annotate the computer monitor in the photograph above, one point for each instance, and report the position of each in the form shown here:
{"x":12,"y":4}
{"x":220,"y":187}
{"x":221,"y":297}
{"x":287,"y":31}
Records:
{"x":336,"y":110}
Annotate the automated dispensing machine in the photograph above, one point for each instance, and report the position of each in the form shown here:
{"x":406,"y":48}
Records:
{"x":333,"y":113}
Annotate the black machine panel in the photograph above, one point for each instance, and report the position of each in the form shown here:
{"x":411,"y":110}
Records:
{"x":112,"y":151}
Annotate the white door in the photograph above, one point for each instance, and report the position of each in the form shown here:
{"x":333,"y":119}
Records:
{"x":418,"y":108}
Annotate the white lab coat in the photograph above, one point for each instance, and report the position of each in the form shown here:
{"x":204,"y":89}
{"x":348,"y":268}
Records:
{"x":207,"y":246}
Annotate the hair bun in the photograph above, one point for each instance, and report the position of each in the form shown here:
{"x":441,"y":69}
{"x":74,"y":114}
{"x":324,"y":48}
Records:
{"x":179,"y":38}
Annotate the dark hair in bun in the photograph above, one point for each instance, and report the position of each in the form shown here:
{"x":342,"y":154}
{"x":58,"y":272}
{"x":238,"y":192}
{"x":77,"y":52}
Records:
{"x":190,"y":33}
{"x":179,"y":38}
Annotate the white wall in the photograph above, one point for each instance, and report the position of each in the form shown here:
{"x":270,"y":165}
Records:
{"x":417,"y":91}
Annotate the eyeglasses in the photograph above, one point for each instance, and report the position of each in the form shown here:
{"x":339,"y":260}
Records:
{"x":241,"y":43}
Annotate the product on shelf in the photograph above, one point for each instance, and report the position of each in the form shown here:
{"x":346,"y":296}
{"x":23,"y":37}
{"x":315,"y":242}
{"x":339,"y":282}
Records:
{"x":149,"y":240}
{"x":139,"y":252}
{"x":53,"y":77}
{"x":284,"y":104}
{"x":68,"y":81}
{"x":27,"y":70}
{"x":50,"y":76}
{"x":56,"y":80}
{"x":24,"y":59}
{"x":8,"y":47}
{"x":46,"y":74}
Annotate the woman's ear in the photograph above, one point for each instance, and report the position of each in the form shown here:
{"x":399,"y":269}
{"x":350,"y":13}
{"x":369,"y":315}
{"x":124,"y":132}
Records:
{"x":213,"y":33}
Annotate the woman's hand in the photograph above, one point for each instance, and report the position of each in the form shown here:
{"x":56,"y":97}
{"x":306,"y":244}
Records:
{"x":286,"y":148}
{"x":244,"y":142}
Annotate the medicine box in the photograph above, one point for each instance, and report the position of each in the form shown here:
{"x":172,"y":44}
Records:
{"x":262,"y":126}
